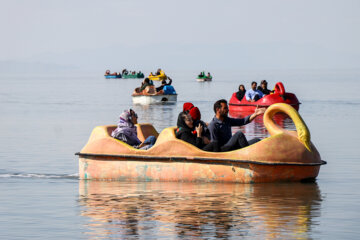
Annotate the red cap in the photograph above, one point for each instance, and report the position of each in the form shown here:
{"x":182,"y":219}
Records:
{"x":195,"y":114}
{"x":187,"y":106}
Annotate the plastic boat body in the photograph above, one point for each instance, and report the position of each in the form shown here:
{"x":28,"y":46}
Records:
{"x":153,"y":99}
{"x":137,"y":75}
{"x":204,"y":79}
{"x":160,"y":77}
{"x":284,"y":156}
{"x":112,"y":76}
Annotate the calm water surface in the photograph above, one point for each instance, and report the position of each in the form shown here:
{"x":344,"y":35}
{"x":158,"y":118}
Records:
{"x":46,"y":119}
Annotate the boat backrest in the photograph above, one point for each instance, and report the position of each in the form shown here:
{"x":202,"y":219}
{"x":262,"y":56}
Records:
{"x":150,"y":90}
{"x":168,"y":89}
{"x":144,"y":130}
{"x":109,"y":129}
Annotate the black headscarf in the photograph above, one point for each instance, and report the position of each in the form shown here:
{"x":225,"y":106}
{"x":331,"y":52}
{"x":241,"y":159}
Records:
{"x":182,"y":127}
{"x":240,"y":94}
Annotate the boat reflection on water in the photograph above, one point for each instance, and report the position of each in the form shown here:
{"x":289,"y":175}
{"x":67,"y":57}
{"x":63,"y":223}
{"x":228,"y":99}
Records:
{"x":197,"y":211}
{"x":256,"y":128}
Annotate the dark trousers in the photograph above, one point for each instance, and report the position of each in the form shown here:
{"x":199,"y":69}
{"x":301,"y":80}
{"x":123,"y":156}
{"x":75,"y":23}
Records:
{"x":237,"y":141}
{"x":211,"y":147}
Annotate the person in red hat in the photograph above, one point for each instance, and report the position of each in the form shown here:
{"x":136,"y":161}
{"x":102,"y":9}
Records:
{"x":196,"y":117}
{"x":193,"y":134}
{"x":187,"y":106}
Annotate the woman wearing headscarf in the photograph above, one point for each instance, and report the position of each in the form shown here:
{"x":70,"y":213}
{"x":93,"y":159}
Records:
{"x":126,"y":131}
{"x":241,"y":93}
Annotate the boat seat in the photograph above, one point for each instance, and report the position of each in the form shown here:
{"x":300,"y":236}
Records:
{"x":110,"y":129}
{"x":150,"y":90}
{"x":145,"y":130}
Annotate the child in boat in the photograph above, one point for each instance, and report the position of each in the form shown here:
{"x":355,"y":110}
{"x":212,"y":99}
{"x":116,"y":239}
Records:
{"x":187,"y":132}
{"x":126,"y":131}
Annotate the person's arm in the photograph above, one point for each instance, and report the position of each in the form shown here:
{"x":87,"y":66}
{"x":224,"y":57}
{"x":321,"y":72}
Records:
{"x":239,"y":121}
{"x":143,"y":87}
{"x":247,"y":95}
{"x":192,"y":139}
{"x":170,"y":82}
{"x":261,"y":94}
{"x":214,"y":137}
{"x":257,"y":112}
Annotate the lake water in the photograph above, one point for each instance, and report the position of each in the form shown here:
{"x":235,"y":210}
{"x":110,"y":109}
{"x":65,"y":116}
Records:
{"x":46,"y":119}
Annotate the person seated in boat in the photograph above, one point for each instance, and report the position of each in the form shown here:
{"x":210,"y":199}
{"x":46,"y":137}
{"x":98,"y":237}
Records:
{"x":253,"y":94}
{"x":196,"y":117}
{"x":220,"y":127}
{"x":201,"y":74}
{"x":126,"y":131}
{"x":208,"y":75}
{"x":187,"y":132}
{"x":158,"y":72}
{"x":263,"y":88}
{"x":107,"y":72}
{"x":125,"y":72}
{"x":145,"y":84}
{"x":241,"y":93}
{"x":163,"y":84}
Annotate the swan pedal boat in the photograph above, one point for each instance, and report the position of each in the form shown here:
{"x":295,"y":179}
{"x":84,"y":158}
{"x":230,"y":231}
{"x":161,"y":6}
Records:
{"x":160,"y":77}
{"x":284,"y":156}
{"x":150,"y":96}
{"x":279,"y":96}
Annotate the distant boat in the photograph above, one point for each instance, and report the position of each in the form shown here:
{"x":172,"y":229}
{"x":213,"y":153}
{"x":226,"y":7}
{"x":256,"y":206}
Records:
{"x":113,"y":76}
{"x":204,"y":78}
{"x":108,"y":74}
{"x":160,"y":77}
{"x":279,"y":96}
{"x":150,"y":96}
{"x":136,"y":75}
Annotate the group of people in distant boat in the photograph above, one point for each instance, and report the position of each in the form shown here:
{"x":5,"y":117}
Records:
{"x":255,"y":93}
{"x":202,"y":74}
{"x":215,"y":136}
{"x":107,"y":72}
{"x":126,"y":72}
{"x":158,"y":72}
{"x":147,"y":83}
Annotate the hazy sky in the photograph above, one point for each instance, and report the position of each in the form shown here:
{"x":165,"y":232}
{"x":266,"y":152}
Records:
{"x":255,"y":33}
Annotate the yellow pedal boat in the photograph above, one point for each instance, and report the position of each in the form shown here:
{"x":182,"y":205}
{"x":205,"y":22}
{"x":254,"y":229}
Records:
{"x":160,"y":77}
{"x":284,"y":156}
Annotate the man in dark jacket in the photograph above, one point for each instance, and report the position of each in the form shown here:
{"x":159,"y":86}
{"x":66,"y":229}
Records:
{"x":220,"y":127}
